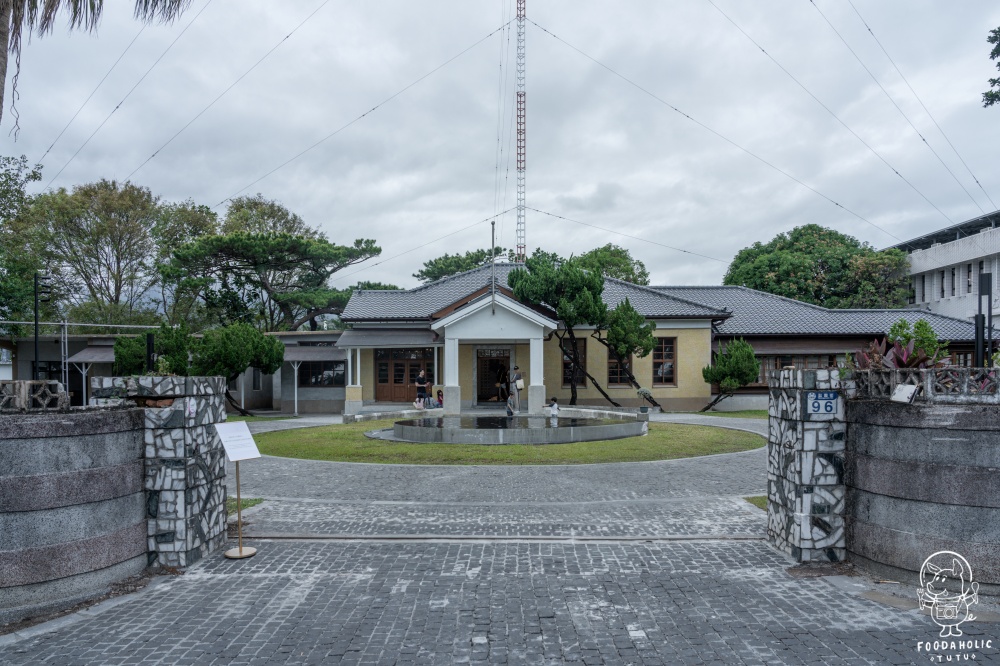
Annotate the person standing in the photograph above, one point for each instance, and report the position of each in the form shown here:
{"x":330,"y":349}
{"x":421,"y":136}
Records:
{"x":516,"y":384}
{"x":421,"y":385}
{"x":503,"y":383}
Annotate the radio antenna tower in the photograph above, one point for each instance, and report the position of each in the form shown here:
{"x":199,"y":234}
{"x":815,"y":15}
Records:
{"x":521,"y":132}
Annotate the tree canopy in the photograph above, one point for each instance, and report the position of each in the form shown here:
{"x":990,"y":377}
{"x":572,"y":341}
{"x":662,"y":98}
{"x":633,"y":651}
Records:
{"x":274,"y":281}
{"x":103,"y":242}
{"x":18,"y":262}
{"x":732,"y":369}
{"x":452,"y":264}
{"x":822,"y":266}
{"x":615,"y":262}
{"x":991,"y":96}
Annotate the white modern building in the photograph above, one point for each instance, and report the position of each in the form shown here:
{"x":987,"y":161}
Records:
{"x":945,"y":266}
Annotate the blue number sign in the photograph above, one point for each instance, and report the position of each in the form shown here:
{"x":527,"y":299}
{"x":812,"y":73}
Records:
{"x":821,"y":402}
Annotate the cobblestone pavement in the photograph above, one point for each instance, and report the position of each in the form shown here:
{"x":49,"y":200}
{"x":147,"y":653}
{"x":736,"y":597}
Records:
{"x":501,"y":603}
{"x":687,"y":517}
{"x":632,"y":563}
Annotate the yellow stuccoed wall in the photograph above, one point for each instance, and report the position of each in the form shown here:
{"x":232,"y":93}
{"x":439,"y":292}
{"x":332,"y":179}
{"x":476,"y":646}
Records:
{"x":466,"y":363}
{"x":694,"y":351}
{"x":367,"y":375}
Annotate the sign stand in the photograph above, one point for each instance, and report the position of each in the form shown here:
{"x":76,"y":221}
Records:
{"x":241,"y":552}
{"x":239,"y":445}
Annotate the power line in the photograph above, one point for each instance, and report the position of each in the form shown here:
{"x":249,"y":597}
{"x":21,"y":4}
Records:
{"x":231,"y":86}
{"x":419,"y":247}
{"x":716,"y":133}
{"x":377,"y":106}
{"x":141,"y":79}
{"x":620,"y":233}
{"x":93,"y":92}
{"x":837,"y":118}
{"x":905,"y":117}
{"x":926,"y":110}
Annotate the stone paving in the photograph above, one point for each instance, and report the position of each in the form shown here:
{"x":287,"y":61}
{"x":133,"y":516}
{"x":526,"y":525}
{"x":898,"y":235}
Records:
{"x":632,"y":563}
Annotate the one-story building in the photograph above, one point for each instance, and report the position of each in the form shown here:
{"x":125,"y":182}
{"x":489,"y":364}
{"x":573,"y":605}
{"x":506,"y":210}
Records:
{"x":783,"y":332}
{"x":465,"y":334}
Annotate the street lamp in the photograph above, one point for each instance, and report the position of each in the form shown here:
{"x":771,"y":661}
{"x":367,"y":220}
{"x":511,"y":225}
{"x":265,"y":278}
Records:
{"x":43,"y":293}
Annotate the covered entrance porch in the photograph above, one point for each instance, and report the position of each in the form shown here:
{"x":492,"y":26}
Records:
{"x":492,"y":334}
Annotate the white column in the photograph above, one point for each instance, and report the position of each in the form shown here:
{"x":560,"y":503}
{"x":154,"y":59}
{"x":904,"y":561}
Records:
{"x":451,"y":362}
{"x":295,"y":384}
{"x":357,"y":368}
{"x":536,"y":389}
{"x":452,"y":391}
{"x":350,"y":367}
{"x":537,"y":362}
{"x":437,"y":370}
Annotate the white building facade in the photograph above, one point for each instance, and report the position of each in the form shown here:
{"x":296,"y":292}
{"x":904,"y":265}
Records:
{"x":945,"y":266}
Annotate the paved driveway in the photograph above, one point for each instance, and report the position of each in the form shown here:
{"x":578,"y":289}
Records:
{"x":633,"y":563}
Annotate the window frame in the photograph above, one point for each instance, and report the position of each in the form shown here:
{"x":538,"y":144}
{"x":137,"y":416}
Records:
{"x":659,"y":358}
{"x":614,"y":369}
{"x":306,"y":371}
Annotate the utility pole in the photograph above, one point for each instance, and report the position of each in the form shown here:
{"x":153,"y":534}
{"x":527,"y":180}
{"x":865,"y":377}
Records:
{"x":43,"y":289}
{"x":521,"y":131}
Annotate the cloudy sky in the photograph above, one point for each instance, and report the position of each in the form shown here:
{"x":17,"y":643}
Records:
{"x":604,"y":150}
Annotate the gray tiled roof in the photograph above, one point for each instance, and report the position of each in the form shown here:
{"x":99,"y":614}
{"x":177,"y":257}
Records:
{"x":423,"y":301}
{"x":759,"y":313}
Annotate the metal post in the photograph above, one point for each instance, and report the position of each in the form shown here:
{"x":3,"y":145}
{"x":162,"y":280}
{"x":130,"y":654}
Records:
{"x":984,"y":344}
{"x":295,"y":384}
{"x":34,"y":374}
{"x":150,"y":351}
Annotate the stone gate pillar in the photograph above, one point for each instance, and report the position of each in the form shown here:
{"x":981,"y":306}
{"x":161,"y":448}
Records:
{"x":805,"y":463}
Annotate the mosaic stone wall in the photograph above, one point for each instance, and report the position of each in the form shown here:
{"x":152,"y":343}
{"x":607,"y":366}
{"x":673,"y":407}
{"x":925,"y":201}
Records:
{"x":805,"y":466}
{"x":184,"y":466}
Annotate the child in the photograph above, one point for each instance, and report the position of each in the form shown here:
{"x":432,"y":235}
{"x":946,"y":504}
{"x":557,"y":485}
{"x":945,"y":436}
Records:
{"x":553,"y":407}
{"x":510,"y":405}
{"x":440,"y":398}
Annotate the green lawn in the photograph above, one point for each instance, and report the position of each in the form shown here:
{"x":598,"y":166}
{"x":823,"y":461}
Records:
{"x":759,"y":501}
{"x":245,"y":503}
{"x":742,"y":414}
{"x":347,"y":443}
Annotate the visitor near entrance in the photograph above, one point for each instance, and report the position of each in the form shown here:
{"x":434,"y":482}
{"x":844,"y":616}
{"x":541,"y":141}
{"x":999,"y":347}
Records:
{"x":516,"y":384}
{"x":503,"y":383}
{"x":421,"y":385}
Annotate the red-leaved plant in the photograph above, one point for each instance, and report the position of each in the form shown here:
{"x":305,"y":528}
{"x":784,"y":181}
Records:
{"x":879,"y":355}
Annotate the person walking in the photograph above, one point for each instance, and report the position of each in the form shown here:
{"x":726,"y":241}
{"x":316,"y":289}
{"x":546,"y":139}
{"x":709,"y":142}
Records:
{"x":516,"y":384}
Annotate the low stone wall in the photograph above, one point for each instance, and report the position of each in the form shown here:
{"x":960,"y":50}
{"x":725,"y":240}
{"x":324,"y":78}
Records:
{"x":91,"y":496}
{"x":72,"y":506}
{"x":923,"y":478}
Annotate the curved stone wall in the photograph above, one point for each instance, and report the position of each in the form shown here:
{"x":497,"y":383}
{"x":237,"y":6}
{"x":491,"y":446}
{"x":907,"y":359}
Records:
{"x":920,"y":479}
{"x":72,"y":506}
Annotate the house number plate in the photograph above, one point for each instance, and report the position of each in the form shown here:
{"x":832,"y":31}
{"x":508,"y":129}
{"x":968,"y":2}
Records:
{"x":821,"y":402}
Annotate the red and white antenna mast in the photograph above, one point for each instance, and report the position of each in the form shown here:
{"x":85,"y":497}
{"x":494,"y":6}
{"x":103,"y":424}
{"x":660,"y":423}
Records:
{"x":521,"y":131}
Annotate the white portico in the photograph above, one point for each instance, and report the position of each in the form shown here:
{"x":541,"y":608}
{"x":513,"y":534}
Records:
{"x":493,"y":320}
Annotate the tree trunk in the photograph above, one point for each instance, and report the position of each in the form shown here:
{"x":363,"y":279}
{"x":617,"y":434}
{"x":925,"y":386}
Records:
{"x":628,"y":370}
{"x":6,"y":7}
{"x":232,"y":400}
{"x":575,"y":357}
{"x":719,"y":398}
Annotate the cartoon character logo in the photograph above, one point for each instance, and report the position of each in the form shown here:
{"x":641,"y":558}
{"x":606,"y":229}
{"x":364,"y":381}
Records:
{"x":947,"y":591}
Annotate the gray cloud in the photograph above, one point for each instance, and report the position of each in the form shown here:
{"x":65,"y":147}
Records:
{"x":599,"y":150}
